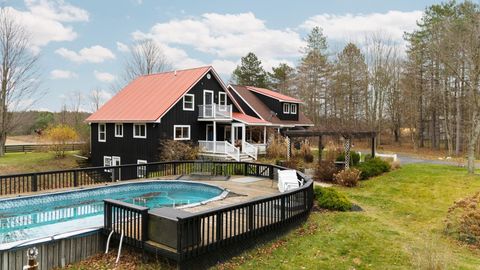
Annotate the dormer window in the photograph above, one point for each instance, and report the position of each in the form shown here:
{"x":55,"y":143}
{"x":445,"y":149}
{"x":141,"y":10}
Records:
{"x":293,"y":108}
{"x":286,"y":108}
{"x":189,"y":102}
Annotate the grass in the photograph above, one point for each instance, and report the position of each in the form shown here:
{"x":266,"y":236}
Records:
{"x":401,"y":227}
{"x":35,"y":162}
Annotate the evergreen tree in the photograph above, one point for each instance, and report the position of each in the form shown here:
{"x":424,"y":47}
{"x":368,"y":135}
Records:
{"x":281,"y":79}
{"x":250,"y":72}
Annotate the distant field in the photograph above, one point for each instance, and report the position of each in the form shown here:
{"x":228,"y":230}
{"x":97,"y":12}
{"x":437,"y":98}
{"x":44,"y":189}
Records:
{"x":25,"y":139}
{"x":35,"y":162}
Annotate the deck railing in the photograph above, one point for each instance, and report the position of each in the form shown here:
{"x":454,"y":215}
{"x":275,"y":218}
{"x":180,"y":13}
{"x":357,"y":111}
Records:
{"x":215,"y":111}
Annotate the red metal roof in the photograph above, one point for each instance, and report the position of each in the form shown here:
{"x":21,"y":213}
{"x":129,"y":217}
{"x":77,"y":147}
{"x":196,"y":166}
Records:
{"x":149,"y":97}
{"x":249,"y":119}
{"x":273,"y":94}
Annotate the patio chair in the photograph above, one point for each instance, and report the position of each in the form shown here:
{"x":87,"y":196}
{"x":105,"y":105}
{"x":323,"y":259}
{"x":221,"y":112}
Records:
{"x":287,"y":180}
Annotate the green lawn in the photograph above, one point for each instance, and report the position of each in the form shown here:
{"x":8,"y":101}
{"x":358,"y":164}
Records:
{"x":35,"y":162}
{"x":400,"y":227}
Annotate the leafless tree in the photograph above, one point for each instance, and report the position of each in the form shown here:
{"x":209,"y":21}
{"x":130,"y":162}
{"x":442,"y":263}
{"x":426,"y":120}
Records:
{"x":96,"y":99}
{"x":76,"y":102}
{"x":18,"y":72}
{"x":146,"y":57}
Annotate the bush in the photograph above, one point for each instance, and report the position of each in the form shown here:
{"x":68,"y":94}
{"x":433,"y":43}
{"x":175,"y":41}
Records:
{"x":60,"y":136}
{"x":305,"y":153}
{"x":373,"y":167}
{"x":177,"y":150}
{"x":354,"y":158}
{"x":463,"y":220}
{"x":347,"y":177}
{"x":325,"y":170}
{"x":329,"y":198}
{"x":277,"y":148}
{"x":293,"y":163}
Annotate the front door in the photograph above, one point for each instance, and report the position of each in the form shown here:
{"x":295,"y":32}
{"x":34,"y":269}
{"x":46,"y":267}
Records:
{"x":209,"y":133}
{"x":208,"y":109}
{"x":238,"y":134}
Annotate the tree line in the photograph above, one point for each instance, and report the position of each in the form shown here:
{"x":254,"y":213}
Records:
{"x":429,"y":92}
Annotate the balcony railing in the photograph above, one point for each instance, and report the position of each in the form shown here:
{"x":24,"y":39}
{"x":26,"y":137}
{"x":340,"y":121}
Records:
{"x":215,"y":111}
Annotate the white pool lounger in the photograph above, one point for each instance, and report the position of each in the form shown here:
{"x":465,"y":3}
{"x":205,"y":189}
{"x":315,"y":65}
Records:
{"x":288,"y":180}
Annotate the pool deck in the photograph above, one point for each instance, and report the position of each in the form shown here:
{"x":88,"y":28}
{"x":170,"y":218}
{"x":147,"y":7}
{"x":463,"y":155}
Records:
{"x":241,"y":189}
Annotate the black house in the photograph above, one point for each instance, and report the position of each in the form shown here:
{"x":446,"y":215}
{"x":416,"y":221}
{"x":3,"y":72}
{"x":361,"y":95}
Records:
{"x":188,"y":105}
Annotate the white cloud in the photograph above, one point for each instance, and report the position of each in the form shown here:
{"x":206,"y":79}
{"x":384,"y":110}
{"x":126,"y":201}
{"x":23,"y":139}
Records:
{"x":62,"y":74}
{"x":354,"y":27}
{"x":122,"y":47}
{"x":94,"y":54}
{"x":224,"y":67}
{"x":226,"y":36}
{"x":45,"y":21}
{"x":104,"y":76}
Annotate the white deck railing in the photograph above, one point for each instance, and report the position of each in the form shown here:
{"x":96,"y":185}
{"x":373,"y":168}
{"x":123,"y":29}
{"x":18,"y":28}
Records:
{"x":250,"y":150}
{"x":220,"y":147}
{"x":215,"y":111}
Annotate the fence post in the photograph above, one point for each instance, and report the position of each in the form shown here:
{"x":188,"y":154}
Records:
{"x":250,"y":217}
{"x":245,"y":168}
{"x":34,"y":183}
{"x":75,"y":178}
{"x":282,"y":208}
{"x":174,"y":168}
{"x":179,"y":237}
{"x":219,"y":229}
{"x":144,"y":225}
{"x":257,"y":170}
{"x":270,"y":172}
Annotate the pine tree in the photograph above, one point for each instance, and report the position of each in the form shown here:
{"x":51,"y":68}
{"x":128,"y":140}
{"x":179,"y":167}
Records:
{"x":281,"y":79}
{"x":250,"y":72}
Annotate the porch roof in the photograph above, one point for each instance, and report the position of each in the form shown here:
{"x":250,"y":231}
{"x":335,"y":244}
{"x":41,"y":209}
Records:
{"x":249,"y":120}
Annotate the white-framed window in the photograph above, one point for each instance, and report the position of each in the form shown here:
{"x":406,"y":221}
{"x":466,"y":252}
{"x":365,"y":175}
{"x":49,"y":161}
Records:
{"x":107,"y":162}
{"x":102,"y":132}
{"x":140,"y":131}
{"x":181,"y":132}
{"x":222,"y":100}
{"x":286,"y":108}
{"x":119,"y":130}
{"x":189,"y":102}
{"x":141,"y":170}
{"x":293,"y":108}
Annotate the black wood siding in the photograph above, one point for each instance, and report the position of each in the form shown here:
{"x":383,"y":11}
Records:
{"x":244,"y":105}
{"x":131,"y":149}
{"x":277,"y":107}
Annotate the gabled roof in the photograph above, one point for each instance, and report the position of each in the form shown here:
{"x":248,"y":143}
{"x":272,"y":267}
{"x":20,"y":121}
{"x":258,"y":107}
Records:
{"x":150,"y":97}
{"x":263,"y":111}
{"x":273,"y":94}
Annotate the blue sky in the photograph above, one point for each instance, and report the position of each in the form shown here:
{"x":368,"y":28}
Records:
{"x":82,"y":44}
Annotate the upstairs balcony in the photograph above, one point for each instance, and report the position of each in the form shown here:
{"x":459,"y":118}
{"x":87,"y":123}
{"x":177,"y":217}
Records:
{"x":215,"y":112}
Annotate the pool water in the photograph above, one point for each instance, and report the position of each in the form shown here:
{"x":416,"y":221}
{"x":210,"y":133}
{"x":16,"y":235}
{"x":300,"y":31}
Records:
{"x":33,"y":217}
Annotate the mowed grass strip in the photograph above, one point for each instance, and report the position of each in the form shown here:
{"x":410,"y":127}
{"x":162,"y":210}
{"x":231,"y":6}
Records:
{"x":13,"y":163}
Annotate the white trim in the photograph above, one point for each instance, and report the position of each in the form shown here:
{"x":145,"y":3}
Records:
{"x":115,"y":129}
{"x":287,"y":106}
{"x":141,"y":174}
{"x":140,"y":136}
{"x":220,"y":99}
{"x":259,"y":116}
{"x":193,"y":102}
{"x":104,"y":133}
{"x":181,"y":126}
{"x":293,"y":105}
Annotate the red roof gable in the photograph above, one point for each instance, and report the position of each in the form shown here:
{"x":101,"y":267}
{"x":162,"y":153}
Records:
{"x":149,"y":97}
{"x":273,"y":94}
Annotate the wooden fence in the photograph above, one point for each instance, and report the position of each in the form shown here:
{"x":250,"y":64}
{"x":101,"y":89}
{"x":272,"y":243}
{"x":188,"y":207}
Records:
{"x":16,"y":148}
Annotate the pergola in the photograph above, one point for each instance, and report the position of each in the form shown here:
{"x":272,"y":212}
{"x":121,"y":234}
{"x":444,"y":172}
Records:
{"x":347,"y":135}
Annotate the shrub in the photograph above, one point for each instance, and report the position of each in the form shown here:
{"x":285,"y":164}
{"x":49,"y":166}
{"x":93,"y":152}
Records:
{"x":373,"y":167}
{"x":347,"y":177}
{"x":277,"y":148}
{"x":305,"y":152}
{"x":329,"y":198}
{"x":325,"y":170}
{"x":463,"y":220}
{"x":177,"y":150}
{"x":292,"y":163}
{"x":59,"y":136}
{"x":354,"y":158}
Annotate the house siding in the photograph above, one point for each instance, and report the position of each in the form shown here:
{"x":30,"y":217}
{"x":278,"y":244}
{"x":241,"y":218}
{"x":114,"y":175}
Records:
{"x":277,"y":107}
{"x":131,"y":149}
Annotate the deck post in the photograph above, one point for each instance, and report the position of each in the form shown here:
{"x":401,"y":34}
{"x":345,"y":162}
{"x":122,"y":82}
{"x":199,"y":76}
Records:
{"x":75,"y":178}
{"x":320,"y":148}
{"x":289,"y":148}
{"x":265,"y":135}
{"x":34,"y":182}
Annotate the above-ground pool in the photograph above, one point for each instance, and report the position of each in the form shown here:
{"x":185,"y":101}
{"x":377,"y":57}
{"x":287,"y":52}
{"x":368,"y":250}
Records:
{"x":30,"y":218}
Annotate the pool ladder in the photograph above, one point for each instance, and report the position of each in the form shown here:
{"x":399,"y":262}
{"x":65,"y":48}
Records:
{"x":140,"y":200}
{"x":119,"y":247}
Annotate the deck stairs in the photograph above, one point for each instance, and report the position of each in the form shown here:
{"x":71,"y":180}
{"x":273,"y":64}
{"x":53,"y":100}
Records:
{"x":218,"y":156}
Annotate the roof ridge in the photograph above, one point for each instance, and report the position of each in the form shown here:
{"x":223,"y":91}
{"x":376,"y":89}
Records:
{"x":176,"y":70}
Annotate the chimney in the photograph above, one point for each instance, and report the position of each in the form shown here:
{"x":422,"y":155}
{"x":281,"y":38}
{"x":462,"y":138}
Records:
{"x":175,"y":73}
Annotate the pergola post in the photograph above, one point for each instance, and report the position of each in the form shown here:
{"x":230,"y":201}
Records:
{"x":347,"y":145}
{"x":289,"y":148}
{"x":320,"y":148}
{"x":373,"y":145}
